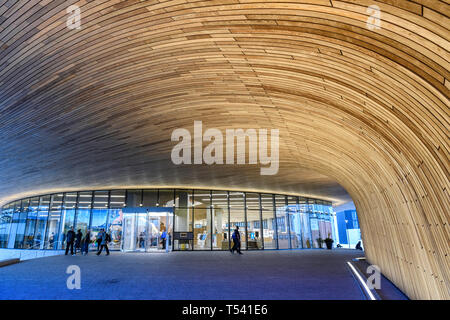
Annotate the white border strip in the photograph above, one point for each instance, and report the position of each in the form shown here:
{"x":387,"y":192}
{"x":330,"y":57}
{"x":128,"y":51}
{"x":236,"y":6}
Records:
{"x":372,"y":297}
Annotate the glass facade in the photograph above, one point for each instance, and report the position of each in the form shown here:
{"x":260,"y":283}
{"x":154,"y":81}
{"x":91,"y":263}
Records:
{"x":194,"y":219}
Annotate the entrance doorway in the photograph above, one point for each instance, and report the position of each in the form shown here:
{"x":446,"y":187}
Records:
{"x":147,"y":229}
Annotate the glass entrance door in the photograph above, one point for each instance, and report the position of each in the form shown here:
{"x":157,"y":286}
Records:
{"x":142,"y":232}
{"x":154,"y":235}
{"x":147,"y":231}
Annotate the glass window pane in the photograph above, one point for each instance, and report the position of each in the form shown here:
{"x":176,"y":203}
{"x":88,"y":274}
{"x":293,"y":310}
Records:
{"x":52,"y":235}
{"x":202,"y":198}
{"x":294,"y":220}
{"x":30,"y":228}
{"x":150,"y":198}
{"x":20,"y":231}
{"x":5,"y":224}
{"x":306,"y":229}
{"x":221,"y":237}
{"x":85,"y":200}
{"x":236,"y":199}
{"x":166,"y":198}
{"x":237,"y":219}
{"x":115,"y":220}
{"x":282,"y":222}
{"x":101,"y":199}
{"x":269,"y":229}
{"x":41,"y":225}
{"x":14,"y":223}
{"x":237,"y":216}
{"x":68,"y":216}
{"x":117,"y":199}
{"x":314,"y":223}
{"x":183,"y":223}
{"x":253,"y":221}
{"x":254,"y":230}
{"x":202,"y":229}
{"x":183,"y":198}
{"x":83,"y":214}
{"x":134,"y":198}
{"x":83,"y":217}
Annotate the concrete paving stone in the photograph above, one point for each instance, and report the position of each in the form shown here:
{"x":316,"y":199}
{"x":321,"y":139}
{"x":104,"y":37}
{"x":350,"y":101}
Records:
{"x":258,"y":275}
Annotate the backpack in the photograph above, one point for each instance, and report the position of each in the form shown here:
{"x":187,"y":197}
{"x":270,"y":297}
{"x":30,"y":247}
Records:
{"x":108,"y":238}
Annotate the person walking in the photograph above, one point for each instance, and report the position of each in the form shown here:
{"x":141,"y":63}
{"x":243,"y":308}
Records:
{"x":163,"y":239}
{"x":78,"y":238}
{"x":236,"y":241}
{"x":70,"y":238}
{"x":358,"y":246}
{"x":105,"y":238}
{"x":98,"y":240}
{"x":85,"y":243}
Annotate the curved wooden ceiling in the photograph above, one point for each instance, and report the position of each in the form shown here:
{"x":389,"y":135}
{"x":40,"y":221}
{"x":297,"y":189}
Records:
{"x":364,"y":109}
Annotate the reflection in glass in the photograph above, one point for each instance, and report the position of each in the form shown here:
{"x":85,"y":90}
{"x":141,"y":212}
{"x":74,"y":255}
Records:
{"x":117,"y":199}
{"x":314,"y":224}
{"x":28,"y":241}
{"x":52,"y":235}
{"x":5,"y":224}
{"x":41,"y":224}
{"x":150,"y":198}
{"x":202,"y":229}
{"x":268,"y":222}
{"x":114,"y":228}
{"x":265,"y":221}
{"x":202,"y":199}
{"x":237,"y":216}
{"x":20,"y":231}
{"x":14,"y":222}
{"x":254,"y":238}
{"x":183,"y":198}
{"x":183,"y":223}
{"x":135,"y":198}
{"x":219,"y":209}
{"x":166,"y":198}
{"x":282,"y":222}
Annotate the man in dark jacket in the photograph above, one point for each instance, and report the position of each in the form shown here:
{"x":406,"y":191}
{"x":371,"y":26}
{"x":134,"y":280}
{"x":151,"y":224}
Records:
{"x":236,"y":241}
{"x":85,"y":243}
{"x":78,"y":238}
{"x":70,"y":238}
{"x":105,"y":239}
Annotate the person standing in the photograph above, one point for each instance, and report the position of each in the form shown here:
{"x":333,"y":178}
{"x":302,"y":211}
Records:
{"x":163,"y":239}
{"x":236,"y":241}
{"x":78,"y":238}
{"x":70,"y":238}
{"x":142,"y":240}
{"x":85,"y":243}
{"x":105,"y":238}
{"x":98,"y":239}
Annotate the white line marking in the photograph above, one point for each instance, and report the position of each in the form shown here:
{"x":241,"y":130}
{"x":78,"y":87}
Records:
{"x":372,"y":297}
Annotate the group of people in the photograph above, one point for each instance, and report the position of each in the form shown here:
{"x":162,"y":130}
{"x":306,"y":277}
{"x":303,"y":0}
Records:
{"x":77,"y":241}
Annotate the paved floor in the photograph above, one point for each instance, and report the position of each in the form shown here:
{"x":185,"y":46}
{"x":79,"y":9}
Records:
{"x":285,"y":274}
